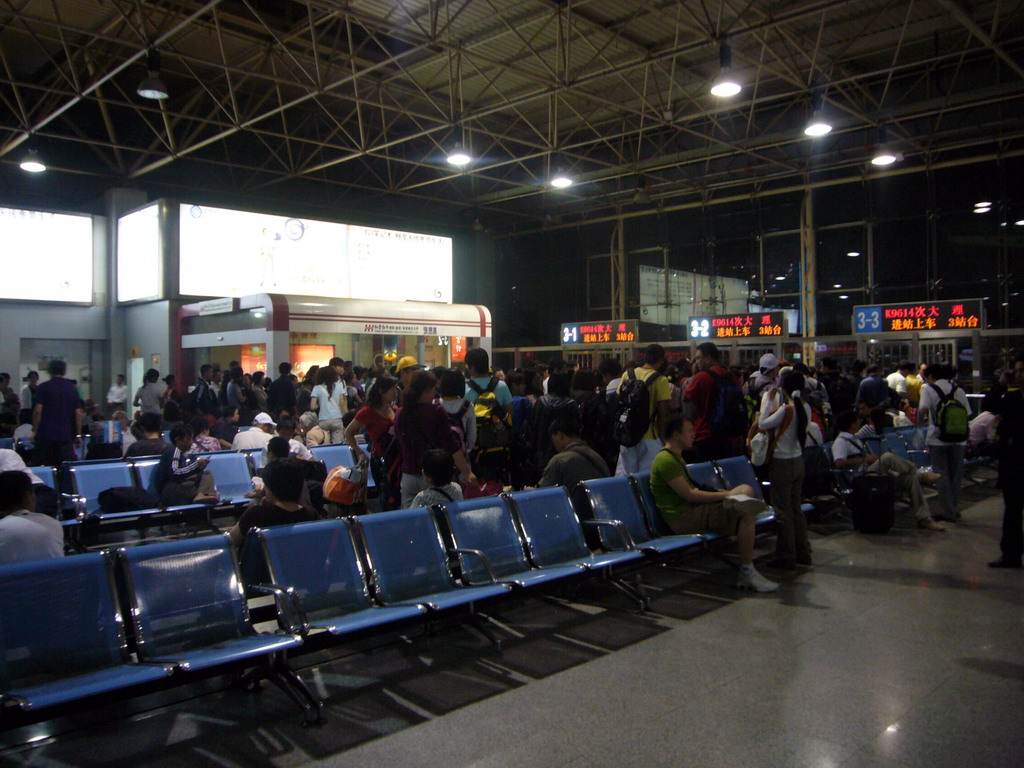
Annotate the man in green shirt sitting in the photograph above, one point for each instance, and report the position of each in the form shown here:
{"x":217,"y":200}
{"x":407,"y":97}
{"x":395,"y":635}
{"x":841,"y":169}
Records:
{"x":687,"y":509}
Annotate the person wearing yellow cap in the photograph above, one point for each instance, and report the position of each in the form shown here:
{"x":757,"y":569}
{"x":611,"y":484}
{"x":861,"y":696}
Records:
{"x":406,"y":368}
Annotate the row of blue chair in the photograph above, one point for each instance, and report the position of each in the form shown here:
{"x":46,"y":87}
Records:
{"x":343,"y":576}
{"x":63,"y":634}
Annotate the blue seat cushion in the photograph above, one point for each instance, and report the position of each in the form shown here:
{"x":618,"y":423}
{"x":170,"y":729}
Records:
{"x":537,"y":576}
{"x":442,"y":601}
{"x":609,"y":559}
{"x":371,"y":617}
{"x":664,"y":544}
{"x":101,"y":681}
{"x":230,"y":651}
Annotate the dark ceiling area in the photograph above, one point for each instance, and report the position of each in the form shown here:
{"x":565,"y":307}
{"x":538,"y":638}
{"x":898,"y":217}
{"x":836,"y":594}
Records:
{"x":320,"y":107}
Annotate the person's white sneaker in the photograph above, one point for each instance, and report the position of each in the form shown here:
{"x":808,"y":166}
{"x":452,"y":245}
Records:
{"x":755,"y":581}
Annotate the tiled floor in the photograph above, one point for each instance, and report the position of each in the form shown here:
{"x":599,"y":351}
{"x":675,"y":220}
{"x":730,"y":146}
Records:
{"x":902,"y":650}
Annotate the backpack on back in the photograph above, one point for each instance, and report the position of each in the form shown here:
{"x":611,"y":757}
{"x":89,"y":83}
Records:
{"x":455,"y":422}
{"x":493,"y":422}
{"x":632,"y":416}
{"x":951,"y":417}
{"x":730,"y":418}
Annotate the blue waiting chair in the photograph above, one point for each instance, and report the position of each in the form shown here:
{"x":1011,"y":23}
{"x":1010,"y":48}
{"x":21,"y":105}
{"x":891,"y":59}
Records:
{"x":7,"y":442}
{"x":613,"y":498}
{"x":89,"y":479}
{"x":189,"y":610}
{"x":335,"y":455}
{"x":553,"y":537}
{"x":737,"y":470}
{"x":409,"y":564}
{"x":46,"y":474}
{"x":62,"y":636}
{"x":657,"y":524}
{"x":232,"y":475}
{"x":490,"y":548}
{"x":318,"y":563}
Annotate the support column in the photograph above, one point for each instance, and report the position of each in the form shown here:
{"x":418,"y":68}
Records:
{"x":808,"y":277}
{"x":618,"y":268}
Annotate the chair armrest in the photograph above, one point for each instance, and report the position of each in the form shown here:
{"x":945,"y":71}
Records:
{"x":289,"y":606}
{"x":483,"y":559}
{"x":616,"y":525}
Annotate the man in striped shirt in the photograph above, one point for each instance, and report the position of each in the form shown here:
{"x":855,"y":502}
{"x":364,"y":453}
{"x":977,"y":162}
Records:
{"x":181,"y":477}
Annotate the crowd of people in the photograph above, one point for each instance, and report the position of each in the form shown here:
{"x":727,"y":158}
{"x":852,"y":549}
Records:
{"x":437,"y":435}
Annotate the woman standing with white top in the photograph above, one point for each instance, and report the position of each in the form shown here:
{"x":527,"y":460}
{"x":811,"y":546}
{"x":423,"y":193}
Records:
{"x":787,"y":418}
{"x":329,"y":400}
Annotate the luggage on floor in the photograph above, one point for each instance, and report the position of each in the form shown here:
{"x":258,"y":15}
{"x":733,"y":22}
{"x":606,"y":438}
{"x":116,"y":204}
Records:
{"x":873,"y":503}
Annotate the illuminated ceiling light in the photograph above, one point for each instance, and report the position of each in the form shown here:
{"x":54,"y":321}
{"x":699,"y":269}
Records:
{"x":843,"y":296}
{"x":1019,"y":223}
{"x":983,"y":204}
{"x":982,"y":210}
{"x":884,"y":157}
{"x":853,"y":254}
{"x":153,"y":86}
{"x":459,"y":156}
{"x":781,"y":277}
{"x":725,"y":85}
{"x":818,"y":126}
{"x":836,"y":285}
{"x":32,"y":162}
{"x":561,"y":180}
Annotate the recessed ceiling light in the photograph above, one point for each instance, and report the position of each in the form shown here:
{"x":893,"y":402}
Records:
{"x":836,"y":285}
{"x":884,"y":157}
{"x":983,"y":204}
{"x":843,"y":296}
{"x":781,"y":277}
{"x":982,"y":210}
{"x":1019,"y":223}
{"x":853,"y":254}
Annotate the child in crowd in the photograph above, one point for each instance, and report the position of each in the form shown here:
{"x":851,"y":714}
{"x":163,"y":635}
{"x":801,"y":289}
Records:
{"x":438,"y":473}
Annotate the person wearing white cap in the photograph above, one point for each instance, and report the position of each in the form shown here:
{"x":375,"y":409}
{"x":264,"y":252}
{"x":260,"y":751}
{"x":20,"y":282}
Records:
{"x":262,"y":431}
{"x":764,"y":377}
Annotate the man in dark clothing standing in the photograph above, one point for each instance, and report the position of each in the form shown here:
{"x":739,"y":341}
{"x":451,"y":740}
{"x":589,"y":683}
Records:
{"x":873,"y":389}
{"x":281,"y":395}
{"x":1010,"y":408}
{"x":204,"y":398}
{"x":702,"y":391}
{"x":56,"y":417}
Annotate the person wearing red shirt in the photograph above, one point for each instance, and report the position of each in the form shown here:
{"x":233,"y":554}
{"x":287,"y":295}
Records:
{"x":702,"y":391}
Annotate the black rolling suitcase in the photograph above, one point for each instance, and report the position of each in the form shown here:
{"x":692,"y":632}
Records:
{"x":873,"y":503}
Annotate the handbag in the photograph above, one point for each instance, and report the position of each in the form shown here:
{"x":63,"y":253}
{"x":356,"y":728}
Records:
{"x":762,"y":444}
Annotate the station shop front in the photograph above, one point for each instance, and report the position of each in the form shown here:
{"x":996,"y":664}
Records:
{"x":261,"y":331}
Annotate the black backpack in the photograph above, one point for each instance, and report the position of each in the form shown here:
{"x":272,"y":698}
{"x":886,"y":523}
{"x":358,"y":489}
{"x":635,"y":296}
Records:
{"x":632,"y":416}
{"x":730,"y":419}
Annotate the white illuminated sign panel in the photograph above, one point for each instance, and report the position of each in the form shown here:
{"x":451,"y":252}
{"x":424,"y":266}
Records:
{"x":47,"y":256}
{"x":138,"y":255}
{"x":235,"y":253}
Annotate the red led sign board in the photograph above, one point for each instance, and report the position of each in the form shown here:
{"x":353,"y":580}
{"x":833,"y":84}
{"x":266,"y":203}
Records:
{"x":750,"y":325}
{"x":921,"y":316}
{"x":611,"y":332}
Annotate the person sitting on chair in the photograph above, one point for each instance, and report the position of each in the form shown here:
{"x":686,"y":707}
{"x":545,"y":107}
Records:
{"x":180,"y":476}
{"x":689,"y":510}
{"x":850,"y":453}
{"x":24,"y":533}
{"x":283,"y":483}
{"x":574,"y":461}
